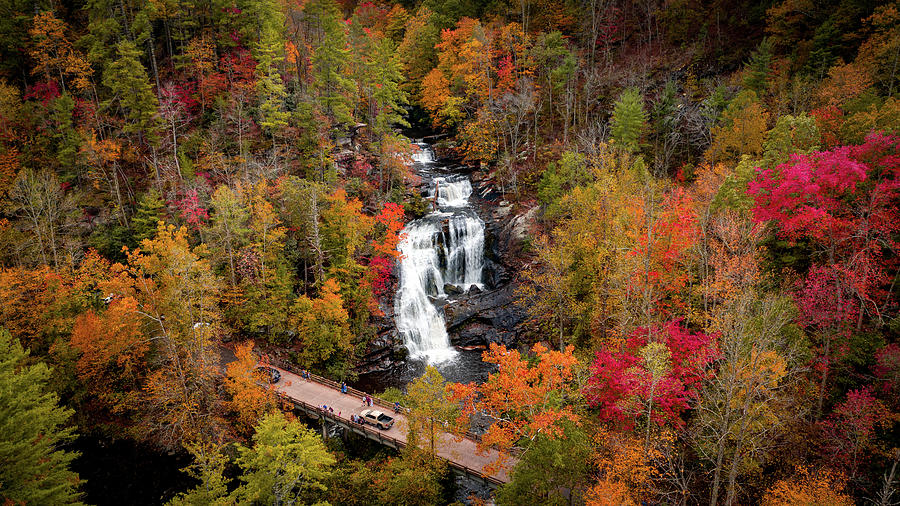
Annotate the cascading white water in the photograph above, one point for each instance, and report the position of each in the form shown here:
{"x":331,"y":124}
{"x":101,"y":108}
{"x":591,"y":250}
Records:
{"x":465,"y":257}
{"x":424,"y":155}
{"x":452,"y":193}
{"x":418,"y":321}
{"x":444,"y":247}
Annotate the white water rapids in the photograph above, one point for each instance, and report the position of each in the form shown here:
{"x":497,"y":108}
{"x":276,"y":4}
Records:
{"x":443,"y":247}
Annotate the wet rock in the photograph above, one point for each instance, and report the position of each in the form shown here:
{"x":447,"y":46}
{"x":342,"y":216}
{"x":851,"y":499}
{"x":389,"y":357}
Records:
{"x":494,"y":274}
{"x":478,"y":319}
{"x":401,"y":353}
{"x":474,"y":290}
{"x":452,"y":289}
{"x":382,"y":353}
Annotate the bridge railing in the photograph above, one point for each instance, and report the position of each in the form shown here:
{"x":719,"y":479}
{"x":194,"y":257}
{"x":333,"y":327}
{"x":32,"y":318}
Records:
{"x":357,"y":393}
{"x":379,"y":436}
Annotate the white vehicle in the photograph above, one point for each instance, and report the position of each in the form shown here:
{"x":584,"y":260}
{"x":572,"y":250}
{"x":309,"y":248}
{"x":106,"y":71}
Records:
{"x":377,"y":418}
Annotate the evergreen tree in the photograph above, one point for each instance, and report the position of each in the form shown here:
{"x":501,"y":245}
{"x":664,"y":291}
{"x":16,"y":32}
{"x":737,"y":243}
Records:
{"x":331,"y":57}
{"x":388,"y":98}
{"x":150,"y":211}
{"x":33,"y":468}
{"x":127,"y":78}
{"x":68,"y":141}
{"x":560,"y":177}
{"x":270,"y":54}
{"x":271,"y":90}
{"x":628,"y":120}
{"x":756,"y":75}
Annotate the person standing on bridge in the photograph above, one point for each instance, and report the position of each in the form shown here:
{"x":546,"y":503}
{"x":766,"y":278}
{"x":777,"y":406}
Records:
{"x":343,"y":388}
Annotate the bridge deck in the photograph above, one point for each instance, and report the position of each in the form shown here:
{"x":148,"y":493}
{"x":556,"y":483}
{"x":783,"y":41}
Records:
{"x":461,"y":453}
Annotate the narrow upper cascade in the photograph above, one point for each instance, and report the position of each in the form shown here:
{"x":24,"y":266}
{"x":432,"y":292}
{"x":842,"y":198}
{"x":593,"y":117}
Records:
{"x":424,"y":155}
{"x":446,"y":247}
{"x":452,"y":192}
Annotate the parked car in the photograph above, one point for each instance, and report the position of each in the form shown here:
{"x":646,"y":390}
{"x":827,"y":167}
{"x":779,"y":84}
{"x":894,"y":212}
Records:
{"x":377,"y":418}
{"x":269,"y":373}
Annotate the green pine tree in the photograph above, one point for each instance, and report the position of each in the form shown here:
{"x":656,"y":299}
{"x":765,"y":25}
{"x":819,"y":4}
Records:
{"x":758,"y":68}
{"x":68,"y":141}
{"x":273,"y":116}
{"x":332,"y":88}
{"x":33,"y":467}
{"x":150,"y":210}
{"x":628,"y":120}
{"x":127,"y":78}
{"x":386,"y":74}
{"x":269,"y":52}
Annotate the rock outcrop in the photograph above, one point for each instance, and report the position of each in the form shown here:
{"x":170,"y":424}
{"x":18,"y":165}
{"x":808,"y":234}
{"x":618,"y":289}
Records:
{"x":478,"y":319}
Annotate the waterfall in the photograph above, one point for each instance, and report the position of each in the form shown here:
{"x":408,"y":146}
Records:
{"x":425,"y":155}
{"x":444,"y":247}
{"x":452,"y":192}
{"x":465,"y":257}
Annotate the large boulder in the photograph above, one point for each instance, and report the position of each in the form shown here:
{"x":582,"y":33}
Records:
{"x":478,"y":319}
{"x":452,"y":289}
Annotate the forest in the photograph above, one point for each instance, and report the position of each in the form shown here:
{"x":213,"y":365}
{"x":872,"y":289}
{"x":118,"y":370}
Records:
{"x":708,"y":269}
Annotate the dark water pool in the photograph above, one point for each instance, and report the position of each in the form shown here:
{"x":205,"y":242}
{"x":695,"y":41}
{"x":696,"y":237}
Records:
{"x":118,"y":472}
{"x":465,"y":367}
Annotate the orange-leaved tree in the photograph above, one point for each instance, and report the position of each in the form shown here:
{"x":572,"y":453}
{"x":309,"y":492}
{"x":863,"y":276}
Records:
{"x":625,"y":468}
{"x":112,"y":365}
{"x":662,"y":232}
{"x":55,"y":55}
{"x":251,"y":397}
{"x":524,"y":398}
{"x":808,"y":487}
{"x":32,"y":305}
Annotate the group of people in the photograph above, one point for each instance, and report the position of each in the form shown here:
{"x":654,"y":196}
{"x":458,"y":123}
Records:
{"x":367,"y":401}
{"x":304,"y":374}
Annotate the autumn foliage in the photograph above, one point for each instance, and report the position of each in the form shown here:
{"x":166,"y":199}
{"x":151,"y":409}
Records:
{"x":657,"y":373}
{"x":696,"y":207}
{"x":113,"y":352}
{"x":249,"y":400}
{"x":523,"y":398}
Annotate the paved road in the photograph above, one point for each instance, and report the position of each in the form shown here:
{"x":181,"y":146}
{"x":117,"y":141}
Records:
{"x":461,"y":451}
